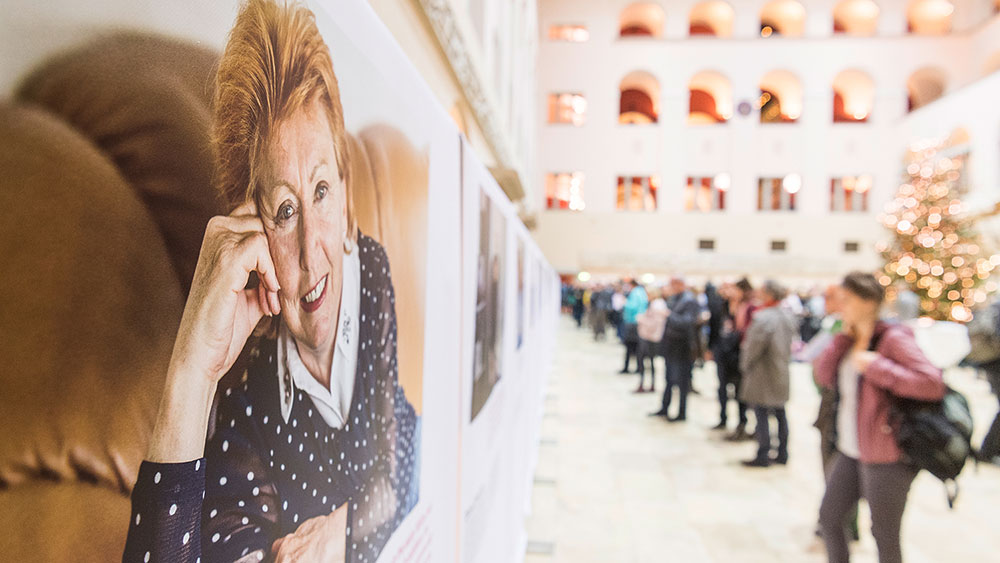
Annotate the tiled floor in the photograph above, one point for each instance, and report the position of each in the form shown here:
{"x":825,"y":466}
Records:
{"x":613,"y":485}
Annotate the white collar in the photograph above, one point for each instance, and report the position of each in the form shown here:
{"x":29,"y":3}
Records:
{"x":333,"y":404}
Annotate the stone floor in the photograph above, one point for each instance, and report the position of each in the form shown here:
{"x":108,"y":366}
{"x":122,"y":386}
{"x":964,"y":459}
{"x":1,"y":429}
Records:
{"x":613,"y":485}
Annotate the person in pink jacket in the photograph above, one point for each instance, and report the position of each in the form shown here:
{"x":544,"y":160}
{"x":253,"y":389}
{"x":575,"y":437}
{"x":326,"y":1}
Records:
{"x":868,"y":364}
{"x":652,"y":324}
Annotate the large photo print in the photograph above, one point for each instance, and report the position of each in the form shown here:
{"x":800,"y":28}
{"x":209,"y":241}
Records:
{"x":246,"y":202}
{"x":314,"y":449}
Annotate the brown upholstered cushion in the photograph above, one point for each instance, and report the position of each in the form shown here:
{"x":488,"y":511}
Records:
{"x":90,"y":309}
{"x":399,"y":176}
{"x":44,"y":522}
{"x":145,"y":101}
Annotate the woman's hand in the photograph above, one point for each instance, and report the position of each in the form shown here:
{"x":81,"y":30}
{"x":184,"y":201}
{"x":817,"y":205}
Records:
{"x":862,"y":331}
{"x":323,"y":538}
{"x":862,"y":359}
{"x":220,"y":313}
{"x":218,"y":318}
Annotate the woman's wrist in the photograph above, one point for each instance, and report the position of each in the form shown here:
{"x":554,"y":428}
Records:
{"x":182,"y":421}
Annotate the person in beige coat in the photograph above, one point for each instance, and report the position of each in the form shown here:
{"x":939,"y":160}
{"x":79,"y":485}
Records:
{"x":764,"y":358}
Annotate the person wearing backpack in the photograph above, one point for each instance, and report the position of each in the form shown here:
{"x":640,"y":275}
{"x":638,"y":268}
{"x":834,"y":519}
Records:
{"x":868,"y":365}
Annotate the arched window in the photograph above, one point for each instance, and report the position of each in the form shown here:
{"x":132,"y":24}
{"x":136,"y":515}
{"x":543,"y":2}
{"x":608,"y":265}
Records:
{"x":929,"y":17}
{"x":639,"y":101}
{"x":711,"y":98}
{"x":641,"y":19}
{"x":924,"y":86}
{"x":782,"y":17}
{"x":855,"y":17}
{"x":713,"y":17}
{"x":780,"y":97}
{"x":853,"y":97}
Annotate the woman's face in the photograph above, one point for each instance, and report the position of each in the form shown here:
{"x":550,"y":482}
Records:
{"x":854,"y":309}
{"x":304,"y":210}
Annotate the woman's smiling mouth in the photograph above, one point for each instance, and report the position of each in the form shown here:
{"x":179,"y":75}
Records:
{"x":312,"y":300}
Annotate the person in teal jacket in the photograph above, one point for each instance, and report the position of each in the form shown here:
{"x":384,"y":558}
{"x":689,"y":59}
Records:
{"x":636,"y":304}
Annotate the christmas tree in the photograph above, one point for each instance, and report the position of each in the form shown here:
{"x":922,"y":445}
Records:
{"x":936,"y":249}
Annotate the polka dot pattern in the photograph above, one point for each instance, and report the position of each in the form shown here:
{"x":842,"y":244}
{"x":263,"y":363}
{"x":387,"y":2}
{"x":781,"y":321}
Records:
{"x":260,"y":480}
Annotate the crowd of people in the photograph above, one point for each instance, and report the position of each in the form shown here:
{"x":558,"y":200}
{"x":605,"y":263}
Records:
{"x":861,"y":360}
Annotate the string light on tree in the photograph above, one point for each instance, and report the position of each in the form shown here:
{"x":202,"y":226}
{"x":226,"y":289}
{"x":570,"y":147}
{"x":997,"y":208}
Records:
{"x":935,"y":248}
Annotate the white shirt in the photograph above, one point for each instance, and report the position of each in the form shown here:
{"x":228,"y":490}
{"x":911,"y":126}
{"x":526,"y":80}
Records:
{"x":333,"y":404}
{"x":847,"y":410}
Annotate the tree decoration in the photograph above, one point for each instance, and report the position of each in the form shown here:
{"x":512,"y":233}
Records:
{"x":936,"y":249}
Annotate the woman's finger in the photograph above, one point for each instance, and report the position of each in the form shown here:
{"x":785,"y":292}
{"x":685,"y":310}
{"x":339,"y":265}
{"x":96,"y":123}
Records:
{"x":247,"y":208}
{"x":241,"y":223}
{"x":255,"y":312}
{"x":275,"y":303}
{"x":256,"y":257}
{"x":263,"y":301}
{"x":276,"y":546}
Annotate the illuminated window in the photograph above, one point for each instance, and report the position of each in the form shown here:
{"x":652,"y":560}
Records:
{"x":850,"y":193}
{"x":778,"y":194}
{"x":853,"y":97}
{"x":782,"y":17}
{"x":855,"y":17}
{"x":567,"y":108}
{"x":572,"y":33}
{"x":641,"y":19}
{"x":781,"y":97}
{"x":639,"y":98}
{"x":929,"y":17}
{"x":706,"y":193}
{"x":564,"y":190}
{"x":637,"y":193}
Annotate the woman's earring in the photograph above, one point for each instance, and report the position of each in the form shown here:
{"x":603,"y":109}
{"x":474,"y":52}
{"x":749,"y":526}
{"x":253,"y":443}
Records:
{"x":348,"y":244}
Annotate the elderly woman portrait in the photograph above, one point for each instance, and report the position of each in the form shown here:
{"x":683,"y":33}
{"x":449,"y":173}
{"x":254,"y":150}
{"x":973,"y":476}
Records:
{"x":283,"y":433}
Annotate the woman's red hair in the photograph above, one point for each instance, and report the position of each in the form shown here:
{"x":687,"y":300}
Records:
{"x":275,"y":63}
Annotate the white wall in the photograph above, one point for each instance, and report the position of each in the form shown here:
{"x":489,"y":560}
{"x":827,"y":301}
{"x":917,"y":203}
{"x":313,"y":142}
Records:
{"x":501,"y":43}
{"x":814,"y":147}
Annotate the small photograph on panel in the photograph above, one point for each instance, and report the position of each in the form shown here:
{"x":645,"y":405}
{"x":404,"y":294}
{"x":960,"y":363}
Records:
{"x":488,"y":350}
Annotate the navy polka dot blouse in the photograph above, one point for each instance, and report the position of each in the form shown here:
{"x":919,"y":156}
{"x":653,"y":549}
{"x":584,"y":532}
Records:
{"x":262,"y":476}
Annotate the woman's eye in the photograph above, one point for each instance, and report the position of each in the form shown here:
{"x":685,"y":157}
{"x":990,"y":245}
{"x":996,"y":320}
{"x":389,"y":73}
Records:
{"x":321,"y":191}
{"x":285,"y":212}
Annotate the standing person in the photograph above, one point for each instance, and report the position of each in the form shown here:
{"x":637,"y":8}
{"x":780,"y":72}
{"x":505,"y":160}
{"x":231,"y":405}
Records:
{"x":724,"y":345}
{"x":636,"y":303}
{"x":678,"y":347}
{"x":984,"y":338}
{"x":600,"y":305}
{"x":826,"y":417}
{"x":651,"y":325}
{"x":990,"y":450}
{"x":618,"y":299}
{"x":578,"y":306}
{"x":742,"y":307}
{"x":867,"y":364}
{"x":764,"y":357}
{"x":906,"y":306}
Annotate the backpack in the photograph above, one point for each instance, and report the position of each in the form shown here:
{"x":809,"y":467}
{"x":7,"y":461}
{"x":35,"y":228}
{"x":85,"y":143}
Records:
{"x":936,"y":436}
